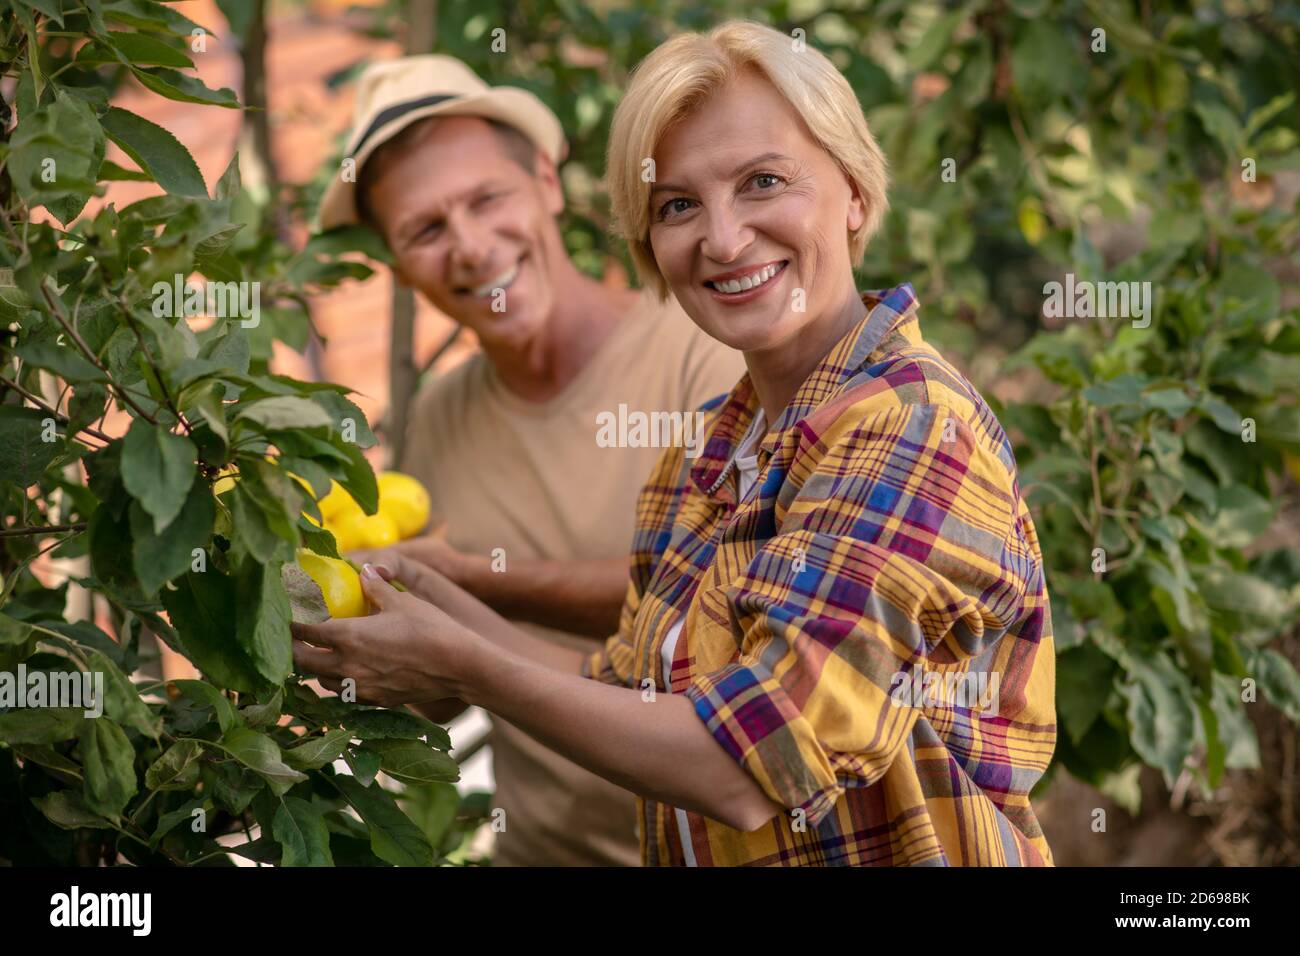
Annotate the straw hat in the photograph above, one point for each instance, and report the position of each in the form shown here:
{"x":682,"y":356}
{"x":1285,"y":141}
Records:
{"x":396,"y":93}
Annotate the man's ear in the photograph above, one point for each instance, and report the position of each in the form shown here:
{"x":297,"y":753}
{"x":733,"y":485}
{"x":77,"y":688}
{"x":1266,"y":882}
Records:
{"x":548,"y":178}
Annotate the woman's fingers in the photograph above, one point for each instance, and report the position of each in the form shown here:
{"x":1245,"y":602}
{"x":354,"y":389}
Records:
{"x":379,"y":592}
{"x":324,"y":634}
{"x":313,"y":660}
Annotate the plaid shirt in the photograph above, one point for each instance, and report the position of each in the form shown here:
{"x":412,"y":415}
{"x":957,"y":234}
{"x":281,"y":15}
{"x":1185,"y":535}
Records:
{"x":867,"y":633}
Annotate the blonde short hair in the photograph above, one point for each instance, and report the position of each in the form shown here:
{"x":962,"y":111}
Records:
{"x":681,"y":73}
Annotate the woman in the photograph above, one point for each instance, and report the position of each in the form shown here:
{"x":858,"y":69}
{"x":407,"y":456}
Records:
{"x":836,"y":646}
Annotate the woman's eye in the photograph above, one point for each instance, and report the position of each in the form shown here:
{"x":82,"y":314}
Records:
{"x":674,"y":207}
{"x":765,"y":180}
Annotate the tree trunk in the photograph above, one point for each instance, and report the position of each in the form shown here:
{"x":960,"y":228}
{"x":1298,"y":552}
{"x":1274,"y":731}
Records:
{"x":403,"y":377}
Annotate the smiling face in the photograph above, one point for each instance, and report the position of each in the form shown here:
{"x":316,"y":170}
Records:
{"x":459,"y":229}
{"x":749,"y":219}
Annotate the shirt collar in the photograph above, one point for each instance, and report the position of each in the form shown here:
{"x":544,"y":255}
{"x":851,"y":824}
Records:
{"x":890,"y":312}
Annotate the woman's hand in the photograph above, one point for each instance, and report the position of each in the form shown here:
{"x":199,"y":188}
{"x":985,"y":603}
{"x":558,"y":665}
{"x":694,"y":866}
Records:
{"x":429,"y":551}
{"x":407,"y":651}
{"x":396,"y":564}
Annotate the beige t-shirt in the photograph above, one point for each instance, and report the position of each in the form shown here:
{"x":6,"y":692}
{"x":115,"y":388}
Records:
{"x":558,"y":480}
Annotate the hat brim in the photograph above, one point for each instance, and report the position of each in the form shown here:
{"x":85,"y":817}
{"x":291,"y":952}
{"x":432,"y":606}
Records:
{"x":515,"y":107}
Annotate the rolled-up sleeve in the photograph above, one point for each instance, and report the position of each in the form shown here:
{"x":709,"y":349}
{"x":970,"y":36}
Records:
{"x":612,"y":664}
{"x":897,"y":553}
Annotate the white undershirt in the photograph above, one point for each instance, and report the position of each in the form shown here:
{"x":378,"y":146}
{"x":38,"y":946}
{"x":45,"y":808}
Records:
{"x":746,"y":461}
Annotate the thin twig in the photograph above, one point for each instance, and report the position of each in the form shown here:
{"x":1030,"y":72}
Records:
{"x":92,"y":357}
{"x":93,"y":432}
{"x":40,"y":530}
{"x":162,"y":384}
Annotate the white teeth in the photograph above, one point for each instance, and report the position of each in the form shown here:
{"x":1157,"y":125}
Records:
{"x":745,"y":283}
{"x":500,"y":282}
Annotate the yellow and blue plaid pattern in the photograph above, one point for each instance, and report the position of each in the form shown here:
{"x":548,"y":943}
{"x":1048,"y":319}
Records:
{"x":883,"y":554}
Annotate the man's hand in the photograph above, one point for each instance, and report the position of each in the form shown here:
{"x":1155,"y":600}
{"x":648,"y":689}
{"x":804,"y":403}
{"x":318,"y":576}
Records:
{"x":406,"y":652}
{"x":582,"y":597}
{"x":431,"y":550}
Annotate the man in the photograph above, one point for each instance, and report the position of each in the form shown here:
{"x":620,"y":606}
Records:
{"x":461,"y":181}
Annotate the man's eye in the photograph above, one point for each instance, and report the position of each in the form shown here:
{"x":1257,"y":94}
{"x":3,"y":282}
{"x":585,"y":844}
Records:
{"x":674,"y":207}
{"x":430,"y":231}
{"x":486,"y":198}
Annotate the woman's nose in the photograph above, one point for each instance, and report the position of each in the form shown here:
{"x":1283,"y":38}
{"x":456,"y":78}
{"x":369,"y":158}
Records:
{"x":725,"y":236}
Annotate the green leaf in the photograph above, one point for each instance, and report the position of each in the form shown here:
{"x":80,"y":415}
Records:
{"x":258,"y":525}
{"x":316,"y":752}
{"x":1161,"y":719}
{"x":1221,"y":413}
{"x":12,"y":632}
{"x":316,"y":539}
{"x":1277,"y":679}
{"x":56,"y":154}
{"x":24,"y":453}
{"x":48,"y":757}
{"x":157,"y":470}
{"x":300,"y":829}
{"x":1124,"y":389}
{"x":139,"y":49}
{"x":67,"y":809}
{"x":284,"y":411}
{"x":260,"y":754}
{"x":413,"y":762}
{"x":169,"y":821}
{"x":1236,"y":732}
{"x":185,"y":89}
{"x":158,"y":558}
{"x":109,"y":761}
{"x":343,"y":411}
{"x":122,"y":702}
{"x":63,"y":360}
{"x":337,"y":241}
{"x":215,"y":244}
{"x":51,"y":9}
{"x":1084,"y":676}
{"x":262,"y":620}
{"x":1245,"y":595}
{"x":381,"y":724}
{"x":232,"y":785}
{"x":178,"y":767}
{"x":211,"y":697}
{"x":44,"y":725}
{"x":1223,"y":127}
{"x":393,"y":836}
{"x":364,"y":764}
{"x":1241,"y":517}
{"x":148,"y":15}
{"x":203,"y":607}
{"x":156,"y":151}
{"x":359,"y":480}
{"x":266,"y":714}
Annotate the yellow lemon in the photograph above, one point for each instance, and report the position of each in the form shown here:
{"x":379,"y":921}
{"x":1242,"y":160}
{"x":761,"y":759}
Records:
{"x":225,"y":480}
{"x":363,"y":531}
{"x":404,"y":500}
{"x":338,"y":503}
{"x":1293,"y":466}
{"x":338,"y":582}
